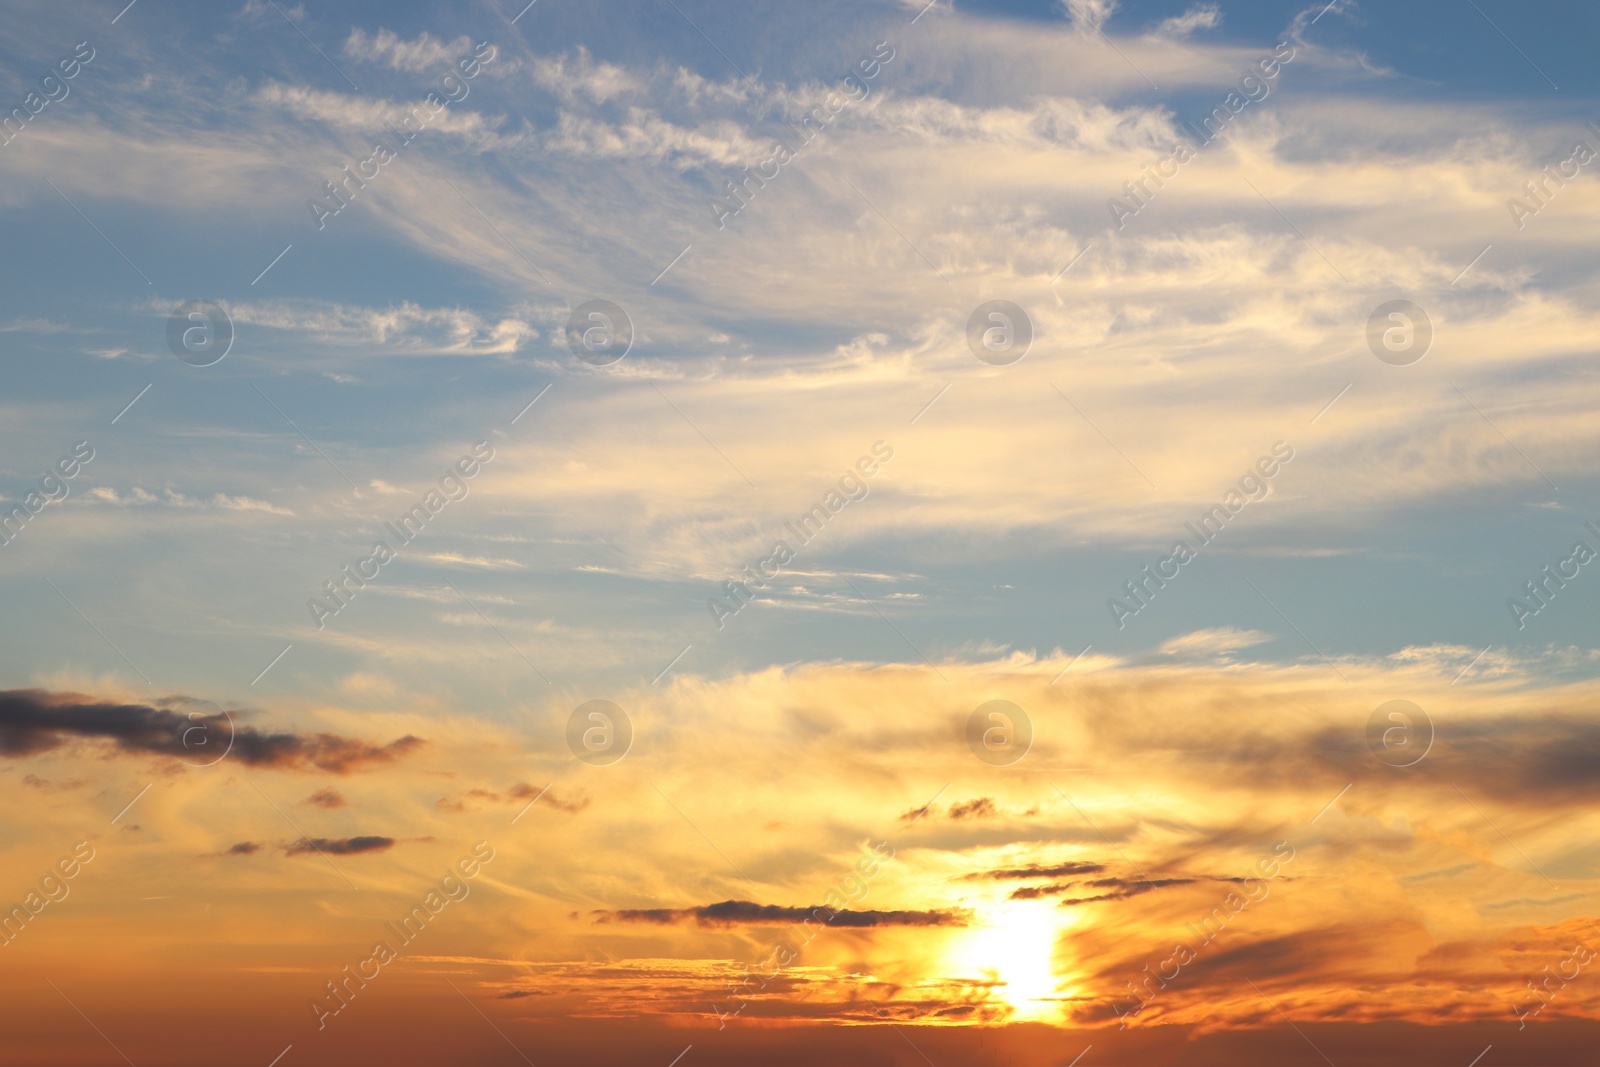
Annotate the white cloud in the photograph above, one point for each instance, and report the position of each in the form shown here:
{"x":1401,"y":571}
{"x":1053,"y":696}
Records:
{"x":242,"y":503}
{"x":488,"y":562}
{"x":1163,"y":323}
{"x":1214,"y":641}
{"x":424,"y":54}
{"x":401,"y":329}
{"x":577,"y":74}
{"x":1201,"y":16}
{"x":699,"y":91}
{"x":260,"y":10}
{"x":1088,"y":16}
{"x":140,"y":497}
{"x":372,"y":116}
{"x":645,"y":135}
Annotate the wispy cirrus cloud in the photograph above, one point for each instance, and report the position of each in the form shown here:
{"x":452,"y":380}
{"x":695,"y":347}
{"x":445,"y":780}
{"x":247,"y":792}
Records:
{"x":1204,"y":16}
{"x":419,"y":55}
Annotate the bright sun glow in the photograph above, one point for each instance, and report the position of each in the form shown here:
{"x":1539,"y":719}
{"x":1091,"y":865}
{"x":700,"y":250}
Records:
{"x":1014,"y":945}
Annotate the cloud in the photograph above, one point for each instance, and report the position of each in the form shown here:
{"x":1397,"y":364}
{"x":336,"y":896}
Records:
{"x":1038,"y":870}
{"x":1518,"y":755}
{"x":1124,"y":888}
{"x":1200,"y":16}
{"x":326,"y":798}
{"x":339,"y":846}
{"x":1087,"y":16}
{"x":244,"y":848}
{"x":577,"y":73}
{"x":33,"y":721}
{"x":1034,"y":892}
{"x":262,"y":10}
{"x":487,"y":562}
{"x":368,"y":116}
{"x":1213,"y":641}
{"x":745,"y":912}
{"x":404,"y":329}
{"x":1196,"y":773}
{"x":524,"y":791}
{"x":521,"y":793}
{"x":647,"y":137}
{"x":423,"y":54}
{"x":140,"y":497}
{"x":981,"y":808}
{"x":47,"y":786}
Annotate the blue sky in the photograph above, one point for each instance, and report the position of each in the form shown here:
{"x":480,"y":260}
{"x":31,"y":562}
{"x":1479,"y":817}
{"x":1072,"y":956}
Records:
{"x":776,"y":350}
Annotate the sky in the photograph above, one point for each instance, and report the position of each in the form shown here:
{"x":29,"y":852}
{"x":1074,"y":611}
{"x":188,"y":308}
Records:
{"x":1029,"y":532}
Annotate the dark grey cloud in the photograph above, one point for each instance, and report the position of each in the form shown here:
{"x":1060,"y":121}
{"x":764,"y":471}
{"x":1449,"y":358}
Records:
{"x":746,"y":912}
{"x":34,"y":721}
{"x":1123,"y":888}
{"x":981,"y":808}
{"x":339,"y":846}
{"x":1037,"y":870}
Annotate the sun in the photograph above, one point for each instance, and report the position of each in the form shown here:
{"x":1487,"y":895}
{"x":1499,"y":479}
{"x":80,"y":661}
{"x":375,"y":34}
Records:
{"x":1015,"y":946}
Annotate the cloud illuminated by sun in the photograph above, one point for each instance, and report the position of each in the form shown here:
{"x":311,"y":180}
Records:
{"x":1013,"y":944}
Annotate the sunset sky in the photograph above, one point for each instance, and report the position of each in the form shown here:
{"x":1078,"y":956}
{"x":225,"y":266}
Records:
{"x":1004,"y":532}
